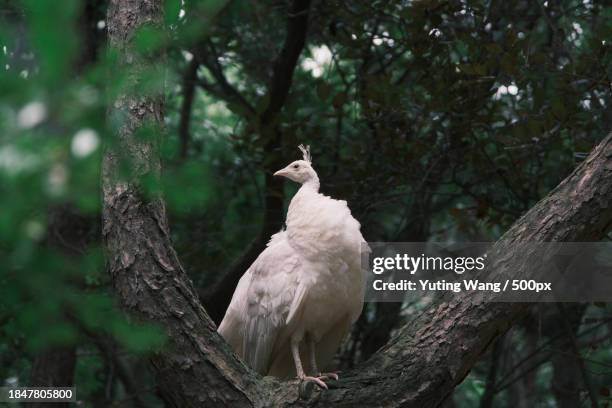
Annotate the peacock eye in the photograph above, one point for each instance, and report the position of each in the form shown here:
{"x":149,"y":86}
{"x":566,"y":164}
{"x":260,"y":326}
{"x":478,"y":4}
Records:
{"x":296,"y":166}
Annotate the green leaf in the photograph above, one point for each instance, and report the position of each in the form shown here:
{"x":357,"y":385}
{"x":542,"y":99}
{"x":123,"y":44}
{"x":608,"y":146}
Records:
{"x":172,"y":10}
{"x":149,"y":39}
{"x":137,"y":338}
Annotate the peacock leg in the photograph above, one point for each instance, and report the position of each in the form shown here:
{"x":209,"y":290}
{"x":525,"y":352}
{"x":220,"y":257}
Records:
{"x":313,"y":361}
{"x":295,"y":351}
{"x":311,"y":353}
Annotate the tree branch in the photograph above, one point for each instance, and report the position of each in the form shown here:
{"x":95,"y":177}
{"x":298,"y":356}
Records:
{"x":222,"y":88}
{"x":284,"y":66}
{"x":189,"y":83}
{"x":569,"y":331}
{"x":486,"y":401}
{"x":229,"y":95}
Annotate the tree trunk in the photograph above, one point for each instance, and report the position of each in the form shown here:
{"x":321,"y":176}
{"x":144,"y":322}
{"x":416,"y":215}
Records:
{"x":419,"y":367}
{"x":195,"y":368}
{"x":486,"y":401}
{"x":522,"y":392}
{"x":566,"y":382}
{"x":53,"y":367}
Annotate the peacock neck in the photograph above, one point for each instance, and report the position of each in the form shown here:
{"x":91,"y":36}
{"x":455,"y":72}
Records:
{"x":301,"y":199}
{"x":312,"y":184}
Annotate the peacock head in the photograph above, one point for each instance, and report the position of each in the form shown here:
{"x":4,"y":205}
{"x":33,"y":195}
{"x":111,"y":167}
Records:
{"x":301,"y":171}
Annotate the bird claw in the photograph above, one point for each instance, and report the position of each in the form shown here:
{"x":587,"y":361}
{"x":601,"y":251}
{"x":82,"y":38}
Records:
{"x":320,"y":379}
{"x":316,"y":380}
{"x":329,"y":376}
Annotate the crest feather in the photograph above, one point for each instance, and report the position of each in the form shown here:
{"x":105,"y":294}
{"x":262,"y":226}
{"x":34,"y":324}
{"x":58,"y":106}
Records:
{"x":305,"y":152}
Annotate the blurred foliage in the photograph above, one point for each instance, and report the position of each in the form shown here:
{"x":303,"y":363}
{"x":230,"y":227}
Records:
{"x":456,"y":116}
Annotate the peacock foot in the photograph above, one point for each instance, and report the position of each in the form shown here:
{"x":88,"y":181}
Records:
{"x":317,"y":380}
{"x":329,"y":376}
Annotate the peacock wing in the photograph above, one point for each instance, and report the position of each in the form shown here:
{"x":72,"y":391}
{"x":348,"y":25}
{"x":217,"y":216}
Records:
{"x":271,"y":297}
{"x":251,"y":307}
{"x":232,"y":325}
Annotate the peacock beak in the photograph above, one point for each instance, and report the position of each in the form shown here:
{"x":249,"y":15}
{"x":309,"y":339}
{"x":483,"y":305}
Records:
{"x":282,"y":173}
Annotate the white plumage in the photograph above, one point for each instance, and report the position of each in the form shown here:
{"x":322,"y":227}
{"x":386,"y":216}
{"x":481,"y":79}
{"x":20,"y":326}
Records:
{"x":296,"y":302}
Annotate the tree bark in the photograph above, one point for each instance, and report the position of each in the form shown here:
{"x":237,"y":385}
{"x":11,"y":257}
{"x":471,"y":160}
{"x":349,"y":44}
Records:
{"x":419,"y":367}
